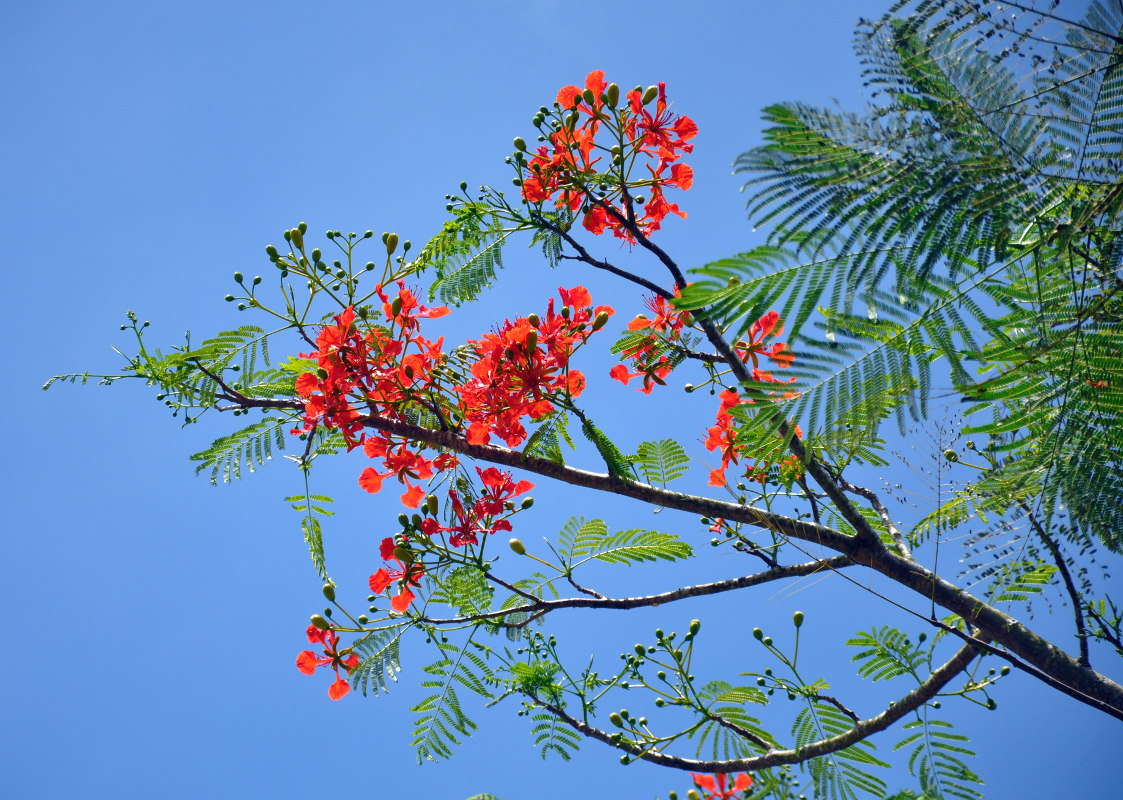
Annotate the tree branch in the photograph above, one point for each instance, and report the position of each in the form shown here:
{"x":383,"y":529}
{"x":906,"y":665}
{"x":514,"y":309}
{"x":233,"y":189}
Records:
{"x":1070,"y":586}
{"x":774,"y":758}
{"x":540,"y":607}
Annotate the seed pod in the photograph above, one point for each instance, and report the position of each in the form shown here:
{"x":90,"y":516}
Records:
{"x":650,"y":94}
{"x":520,"y":143}
{"x":297,"y":238}
{"x":797,"y":618}
{"x":391,"y":244}
{"x":612,"y":94}
{"x":518,"y":547}
{"x":329,"y":591}
{"x":320,"y":622}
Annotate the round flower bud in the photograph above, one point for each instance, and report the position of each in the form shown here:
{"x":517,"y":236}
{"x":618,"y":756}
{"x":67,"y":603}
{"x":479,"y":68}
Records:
{"x":640,"y":650}
{"x":302,"y":227}
{"x":695,"y":626}
{"x":391,"y":243}
{"x":526,"y":503}
{"x":767,"y":641}
{"x":517,"y":546}
{"x":534,"y":320}
{"x":256,"y":280}
{"x":363,"y":619}
{"x":588,"y":96}
{"x":693,"y":795}
{"x":271,"y":251}
{"x":649,"y":94}
{"x":229,"y":299}
{"x":600,"y":321}
{"x":403,"y":520}
{"x":660,"y":702}
{"x":238,"y":278}
{"x":329,"y":591}
{"x":320,"y":622}
{"x":758,"y":634}
{"x":797,"y":618}
{"x":297,"y":236}
{"x":1004,"y":671}
{"x":951,"y":456}
{"x":616,"y":719}
{"x":520,"y":143}
{"x":969,"y":445}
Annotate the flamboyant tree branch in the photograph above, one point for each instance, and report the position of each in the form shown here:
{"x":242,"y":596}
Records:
{"x":939,"y":678}
{"x":541,"y":607}
{"x":995,"y":625}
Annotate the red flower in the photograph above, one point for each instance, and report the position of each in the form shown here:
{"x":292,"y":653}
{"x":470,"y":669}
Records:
{"x":407,"y":576}
{"x":307,"y":662}
{"x":716,"y":786}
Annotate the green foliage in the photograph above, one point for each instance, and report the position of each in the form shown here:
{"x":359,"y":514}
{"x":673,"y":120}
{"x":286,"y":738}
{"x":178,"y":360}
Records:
{"x":464,"y":589}
{"x":551,"y":734}
{"x":887,"y":653}
{"x":379,"y":661}
{"x":616,"y":462}
{"x":546,"y":440}
{"x":661,"y":462}
{"x":253,"y":443}
{"x":465,"y":255}
{"x":725,"y":711}
{"x":440,"y":718}
{"x":312,"y":505}
{"x":844,"y":773}
{"x":936,"y":759}
{"x":580,"y":541}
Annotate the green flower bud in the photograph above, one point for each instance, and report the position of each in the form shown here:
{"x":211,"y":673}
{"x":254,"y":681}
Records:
{"x":363,"y":619}
{"x":520,"y":143}
{"x":767,"y":641}
{"x":1004,"y":671}
{"x":403,"y":520}
{"x":396,"y":306}
{"x":758,"y":634}
{"x":534,"y":320}
{"x":695,"y":626}
{"x":316,"y":255}
{"x":391,"y":244}
{"x":951,"y":456}
{"x":693,"y":795}
{"x":616,"y":719}
{"x":640,"y":650}
{"x":531,"y":340}
{"x":600,"y":321}
{"x":368,"y":234}
{"x":433,"y":504}
{"x":517,"y":546}
{"x":797,"y":618}
{"x":329,"y":591}
{"x":229,"y":299}
{"x":612,"y":94}
{"x":256,"y":280}
{"x":271,"y":251}
{"x":969,"y":445}
{"x":660,"y":702}
{"x":650,"y":94}
{"x":302,"y":227}
{"x":463,"y":186}
{"x":403,"y":554}
{"x":386,"y":235}
{"x":320,"y":622}
{"x":588,"y":96}
{"x":238,"y":278}
{"x":526,"y":503}
{"x":297,"y":236}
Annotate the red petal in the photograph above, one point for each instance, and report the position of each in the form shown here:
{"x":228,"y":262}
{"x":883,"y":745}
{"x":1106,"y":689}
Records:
{"x":306,"y":384}
{"x":412,"y":498}
{"x":386,"y":548}
{"x":306,"y":662}
{"x":315,"y":635}
{"x":370,"y":480}
{"x":567,"y":96}
{"x":743,"y":782}
{"x":338,"y":689}
{"x":402,"y":601}
{"x":682,"y":176}
{"x":478,"y":433}
{"x":379,"y":581}
{"x":595,"y":83}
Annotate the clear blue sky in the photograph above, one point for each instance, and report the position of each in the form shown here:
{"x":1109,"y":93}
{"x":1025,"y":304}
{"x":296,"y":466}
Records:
{"x":151,"y":149}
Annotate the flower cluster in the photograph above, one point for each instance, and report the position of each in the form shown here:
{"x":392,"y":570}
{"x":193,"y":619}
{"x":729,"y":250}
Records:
{"x":307,"y":662}
{"x":717,"y":787}
{"x":383,"y":368}
{"x":722,"y":436}
{"x":649,"y":354}
{"x":565,"y":170}
{"x":523,"y":368}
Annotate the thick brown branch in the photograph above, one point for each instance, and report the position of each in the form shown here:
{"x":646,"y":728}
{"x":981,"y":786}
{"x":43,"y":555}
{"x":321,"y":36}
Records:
{"x":774,"y":758}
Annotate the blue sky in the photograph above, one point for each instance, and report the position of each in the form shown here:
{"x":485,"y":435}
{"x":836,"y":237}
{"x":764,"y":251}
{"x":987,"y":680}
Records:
{"x":152,"y":149}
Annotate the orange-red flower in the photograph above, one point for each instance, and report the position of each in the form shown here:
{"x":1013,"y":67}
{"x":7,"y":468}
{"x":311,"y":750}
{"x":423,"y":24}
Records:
{"x":717,"y":786}
{"x":307,"y":662}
